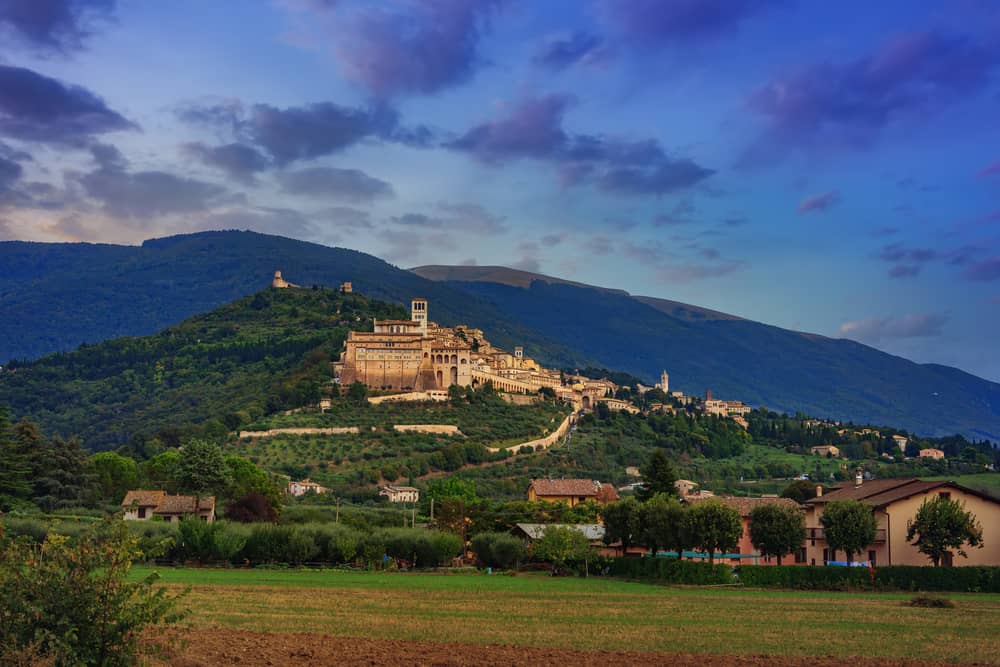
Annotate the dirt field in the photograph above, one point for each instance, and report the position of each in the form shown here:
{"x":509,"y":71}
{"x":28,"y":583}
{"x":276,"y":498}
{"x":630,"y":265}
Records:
{"x":209,"y":647}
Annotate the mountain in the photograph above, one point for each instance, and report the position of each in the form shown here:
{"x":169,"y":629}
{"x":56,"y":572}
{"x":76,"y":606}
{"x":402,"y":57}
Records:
{"x":54,"y":297}
{"x":737,"y":358}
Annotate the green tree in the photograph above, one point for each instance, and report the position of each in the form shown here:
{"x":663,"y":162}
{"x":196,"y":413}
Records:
{"x":849,"y":525}
{"x":777,"y":529}
{"x":623,"y":522}
{"x":452,"y":487}
{"x":113,"y":475}
{"x":15,"y":467}
{"x":357,"y":394}
{"x":662,"y":519}
{"x":60,"y":475}
{"x":658,"y":476}
{"x":75,"y":604}
{"x":159,"y":472}
{"x":942,"y":525}
{"x":713,"y":526}
{"x":245,"y":477}
{"x":800,"y":490}
{"x":201,"y":468}
{"x":561,"y":545}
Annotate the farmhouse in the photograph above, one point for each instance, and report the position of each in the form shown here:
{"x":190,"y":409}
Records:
{"x":931,"y":453}
{"x":594,"y":532}
{"x":571,"y":491}
{"x":400,"y":494}
{"x":298,"y":489}
{"x":895,"y":502}
{"x":825,"y":450}
{"x":141,"y":505}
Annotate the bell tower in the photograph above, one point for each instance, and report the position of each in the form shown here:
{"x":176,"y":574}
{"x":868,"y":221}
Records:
{"x":418,"y":313}
{"x":665,"y":382}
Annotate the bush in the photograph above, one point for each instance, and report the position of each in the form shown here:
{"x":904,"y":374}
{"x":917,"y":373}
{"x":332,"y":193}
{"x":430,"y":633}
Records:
{"x":671,"y":571}
{"x":498,"y":550}
{"x":267,"y":542}
{"x":74,"y":604}
{"x":930,"y":602}
{"x":890,"y":578}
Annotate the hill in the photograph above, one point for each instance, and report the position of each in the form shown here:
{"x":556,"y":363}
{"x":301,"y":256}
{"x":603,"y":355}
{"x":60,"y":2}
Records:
{"x":56,"y":296}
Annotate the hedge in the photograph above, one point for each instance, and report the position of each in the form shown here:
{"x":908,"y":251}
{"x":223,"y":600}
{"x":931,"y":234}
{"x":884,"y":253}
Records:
{"x":671,"y":571}
{"x":889,"y":578}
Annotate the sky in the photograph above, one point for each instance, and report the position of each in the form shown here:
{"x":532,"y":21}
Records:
{"x":830,"y":167}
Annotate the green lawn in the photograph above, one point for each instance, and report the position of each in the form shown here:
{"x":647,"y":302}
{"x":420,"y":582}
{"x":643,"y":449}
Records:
{"x":988,"y":482}
{"x":529,"y":610}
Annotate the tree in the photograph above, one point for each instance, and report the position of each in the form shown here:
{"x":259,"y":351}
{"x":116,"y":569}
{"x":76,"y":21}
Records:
{"x":777,"y":529}
{"x":159,"y":472}
{"x":60,"y":473}
{"x":201,"y":468}
{"x":800,"y":490}
{"x":623,"y":522}
{"x":662,"y":518}
{"x":849,"y":525}
{"x":244,"y":478}
{"x":15,"y":468}
{"x":113,"y":475}
{"x":561,"y":545}
{"x":252,"y":507}
{"x":658,"y":476}
{"x":357,"y":393}
{"x":942,"y":525}
{"x":713,"y":526}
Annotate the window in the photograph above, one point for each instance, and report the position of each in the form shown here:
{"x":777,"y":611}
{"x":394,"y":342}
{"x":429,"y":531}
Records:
{"x":871,"y":558}
{"x":142,"y":512}
{"x":944,"y":494}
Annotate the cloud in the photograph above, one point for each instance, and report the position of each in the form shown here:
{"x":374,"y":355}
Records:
{"x":820,"y":202}
{"x":735,"y":221}
{"x":238,"y":161}
{"x":601,"y":246}
{"x":53,"y":26}
{"x":689,"y":271}
{"x":533,"y":130}
{"x":347,"y":216}
{"x":281,"y":221}
{"x":351,"y":185}
{"x":529,"y":264}
{"x":576,"y":48}
{"x":5,"y":231}
{"x":984,"y":270}
{"x":846,"y":105}
{"x":455,"y":217}
{"x":658,"y":23}
{"x":904,"y":271}
{"x":906,"y":326}
{"x":552,"y":240}
{"x":10,"y":172}
{"x":680,"y":214}
{"x":415,"y":47}
{"x":34,"y":107}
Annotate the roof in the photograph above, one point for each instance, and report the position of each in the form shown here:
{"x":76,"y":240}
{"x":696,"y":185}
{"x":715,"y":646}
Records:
{"x":742,"y":504}
{"x":592,"y":531}
{"x":565,"y":487}
{"x":882,"y":492}
{"x":184,"y":504}
{"x":141,"y":498}
{"x":390,"y":487}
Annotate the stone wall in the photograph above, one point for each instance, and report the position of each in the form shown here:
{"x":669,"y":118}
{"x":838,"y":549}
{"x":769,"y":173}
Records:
{"x":336,"y":430}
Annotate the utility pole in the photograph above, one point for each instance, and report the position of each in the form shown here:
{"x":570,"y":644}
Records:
{"x":432,"y":510}
{"x":338,"y":509}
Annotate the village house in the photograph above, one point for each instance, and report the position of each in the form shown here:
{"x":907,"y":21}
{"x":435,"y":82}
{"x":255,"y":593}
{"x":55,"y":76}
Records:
{"x":298,"y":489}
{"x":894,"y":503}
{"x":571,"y":491}
{"x":594,"y":532}
{"x":931,"y":453}
{"x":140,"y":505}
{"x":745,"y":552}
{"x":400,"y":494}
{"x":825,"y":450}
{"x":685,"y":487}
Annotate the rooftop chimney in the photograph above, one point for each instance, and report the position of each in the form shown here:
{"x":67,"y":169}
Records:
{"x":858,"y":479}
{"x":819,"y":491}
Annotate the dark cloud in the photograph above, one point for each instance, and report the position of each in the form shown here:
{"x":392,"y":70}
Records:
{"x":238,"y":161}
{"x":455,"y":217}
{"x":415,"y":47}
{"x":143,"y":195}
{"x":552,"y":240}
{"x":904,"y":271}
{"x":281,"y":221}
{"x":350,"y":185}
{"x":222,"y":114}
{"x":906,"y":326}
{"x":346,"y":216}
{"x":533,"y":129}
{"x":735,"y":221}
{"x":837,"y":105}
{"x":599,"y":245}
{"x":53,"y":26}
{"x":984,"y":270}
{"x":10,"y":172}
{"x":657,"y":23}
{"x":680,"y":214}
{"x":820,"y":202}
{"x":416,"y":220}
{"x":307,"y":132}
{"x":577,"y":48}
{"x":36,"y":108}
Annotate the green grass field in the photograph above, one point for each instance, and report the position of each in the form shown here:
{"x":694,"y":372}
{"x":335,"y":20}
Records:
{"x":530,"y":610}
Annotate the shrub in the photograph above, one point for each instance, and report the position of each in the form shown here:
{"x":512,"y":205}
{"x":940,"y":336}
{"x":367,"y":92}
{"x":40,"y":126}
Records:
{"x":672,"y":571}
{"x":75,"y":604}
{"x":266,"y":543}
{"x":498,"y":550}
{"x":301,"y":547}
{"x":930,"y":602}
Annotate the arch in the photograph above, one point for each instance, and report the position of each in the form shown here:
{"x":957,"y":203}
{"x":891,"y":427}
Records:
{"x":454,"y":358}
{"x":586,"y":402}
{"x":440,"y":379}
{"x":425,"y":355}
{"x":464,"y":360}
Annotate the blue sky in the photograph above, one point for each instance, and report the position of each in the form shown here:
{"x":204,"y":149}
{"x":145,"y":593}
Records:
{"x":827,"y":167}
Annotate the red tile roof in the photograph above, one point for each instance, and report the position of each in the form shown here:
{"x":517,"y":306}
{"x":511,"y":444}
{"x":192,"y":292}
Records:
{"x":742,"y":504}
{"x":166,"y":504}
{"x":565,"y":487}
{"x":142,"y":498}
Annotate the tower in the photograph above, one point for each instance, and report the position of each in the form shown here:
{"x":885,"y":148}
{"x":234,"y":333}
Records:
{"x":665,"y":382}
{"x":418,"y":313}
{"x":518,"y":352}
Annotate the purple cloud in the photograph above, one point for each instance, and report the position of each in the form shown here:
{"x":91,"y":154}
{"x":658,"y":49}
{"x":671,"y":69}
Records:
{"x":456,"y":217}
{"x":53,"y":26}
{"x":820,"y":202}
{"x":904,"y":271}
{"x":656,"y":23}
{"x":984,"y":270}
{"x":34,"y":107}
{"x":577,"y":48}
{"x":311,"y":131}
{"x":417,"y":47}
{"x":833,"y":105}
{"x":906,"y":326}
{"x":238,"y":161}
{"x":351,"y":185}
{"x":533,"y":129}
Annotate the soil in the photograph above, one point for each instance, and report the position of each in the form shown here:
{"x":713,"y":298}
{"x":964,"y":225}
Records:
{"x":216,"y":646}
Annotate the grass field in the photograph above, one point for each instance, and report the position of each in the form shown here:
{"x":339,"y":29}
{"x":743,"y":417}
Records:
{"x":540,"y":611}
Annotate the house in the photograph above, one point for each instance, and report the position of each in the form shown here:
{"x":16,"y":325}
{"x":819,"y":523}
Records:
{"x":931,"y":453}
{"x":572,"y":491}
{"x":594,"y":532}
{"x":894,"y":503}
{"x":400,"y":494}
{"x":900,"y":441}
{"x":298,"y":489}
{"x":685,"y":487}
{"x":745,"y":552}
{"x":825,"y":450}
{"x":140,"y":505}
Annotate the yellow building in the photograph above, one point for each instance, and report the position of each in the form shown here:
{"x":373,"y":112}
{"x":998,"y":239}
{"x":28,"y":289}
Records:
{"x":894,"y":503}
{"x":571,"y":491}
